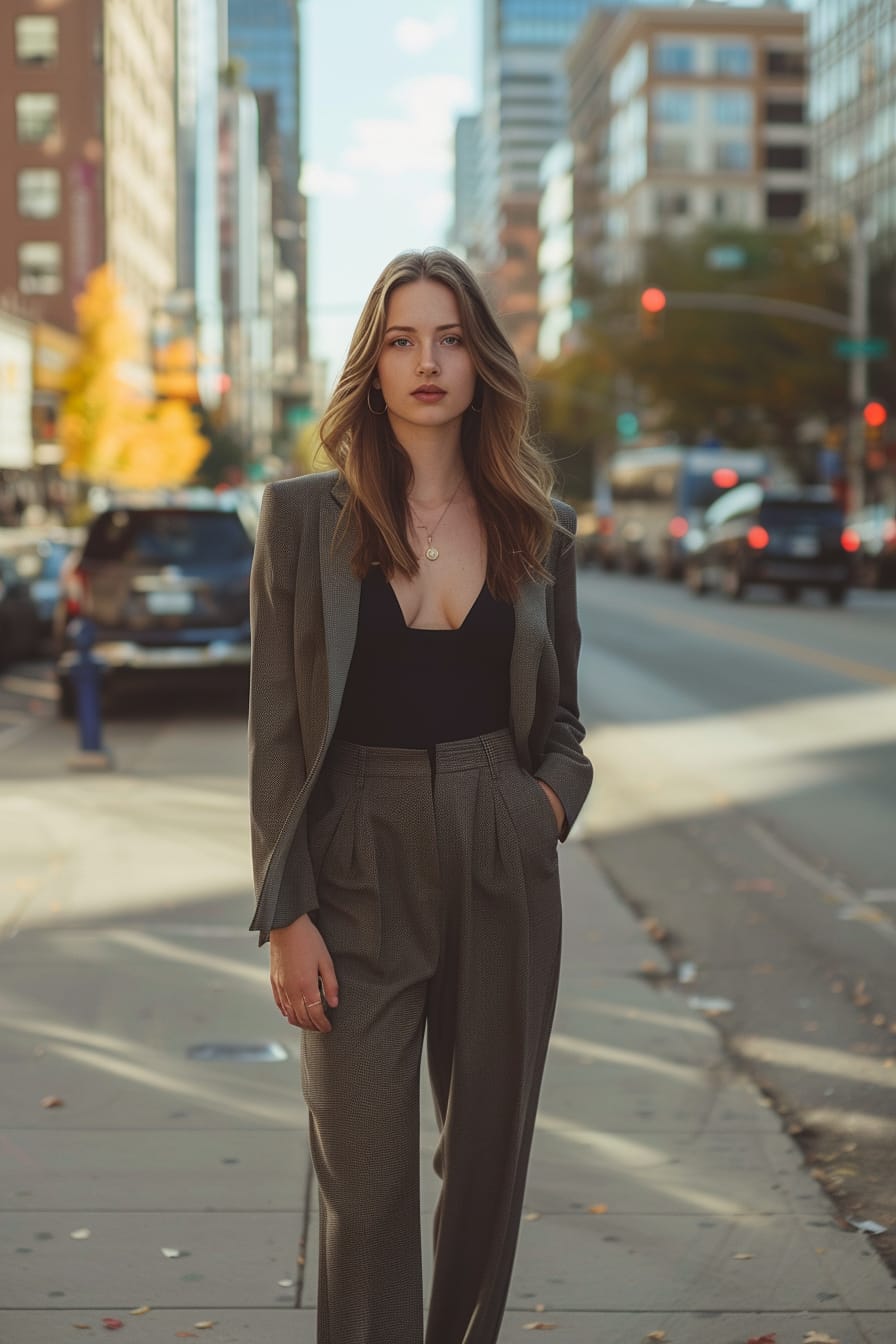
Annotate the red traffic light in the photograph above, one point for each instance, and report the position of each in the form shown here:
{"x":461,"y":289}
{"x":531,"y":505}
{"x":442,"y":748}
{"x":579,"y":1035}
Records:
{"x":874,"y":414}
{"x":653,"y":300}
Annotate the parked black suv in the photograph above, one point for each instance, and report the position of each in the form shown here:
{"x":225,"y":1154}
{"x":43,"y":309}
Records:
{"x":167,"y":587}
{"x":792,"y":536}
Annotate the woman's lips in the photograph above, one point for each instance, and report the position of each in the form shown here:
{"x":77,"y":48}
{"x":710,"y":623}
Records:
{"x":429,"y":396}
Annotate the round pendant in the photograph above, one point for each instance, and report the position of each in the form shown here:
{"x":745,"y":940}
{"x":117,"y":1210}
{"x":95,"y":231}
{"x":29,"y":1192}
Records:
{"x":431,"y":553}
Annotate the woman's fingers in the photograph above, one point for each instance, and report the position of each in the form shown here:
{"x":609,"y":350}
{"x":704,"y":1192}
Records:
{"x":328,"y":979}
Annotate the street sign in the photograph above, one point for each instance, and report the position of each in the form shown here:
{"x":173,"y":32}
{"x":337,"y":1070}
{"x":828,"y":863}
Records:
{"x":726,"y":258}
{"x":627,"y":425}
{"x":870,"y":349}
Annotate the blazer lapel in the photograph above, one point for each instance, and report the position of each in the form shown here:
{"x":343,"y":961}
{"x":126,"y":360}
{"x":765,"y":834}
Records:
{"x":341,"y":594}
{"x":531,"y":632}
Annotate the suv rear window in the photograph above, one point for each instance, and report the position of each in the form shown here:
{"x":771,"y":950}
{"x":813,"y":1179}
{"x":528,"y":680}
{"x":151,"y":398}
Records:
{"x":167,"y":537}
{"x":800,"y":513}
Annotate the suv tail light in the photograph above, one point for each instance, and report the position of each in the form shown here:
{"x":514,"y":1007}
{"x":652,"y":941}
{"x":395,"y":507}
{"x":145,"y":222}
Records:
{"x":76,"y":592}
{"x":678,"y":527}
{"x":890,"y":532}
{"x":850,"y":540}
{"x":757,"y":538}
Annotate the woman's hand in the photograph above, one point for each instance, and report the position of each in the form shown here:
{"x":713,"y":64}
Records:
{"x":302,"y":975}
{"x":556,"y":806}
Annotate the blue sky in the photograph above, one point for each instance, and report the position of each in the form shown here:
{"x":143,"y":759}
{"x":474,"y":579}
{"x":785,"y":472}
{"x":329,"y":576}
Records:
{"x":383,"y":81}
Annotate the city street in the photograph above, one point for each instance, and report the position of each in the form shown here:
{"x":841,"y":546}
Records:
{"x":745,"y":765}
{"x":746,"y":772}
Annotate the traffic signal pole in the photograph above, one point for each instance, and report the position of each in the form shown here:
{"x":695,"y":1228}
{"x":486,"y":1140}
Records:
{"x":858,"y":364}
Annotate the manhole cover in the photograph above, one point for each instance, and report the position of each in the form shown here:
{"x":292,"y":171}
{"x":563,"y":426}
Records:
{"x":268,"y":1052}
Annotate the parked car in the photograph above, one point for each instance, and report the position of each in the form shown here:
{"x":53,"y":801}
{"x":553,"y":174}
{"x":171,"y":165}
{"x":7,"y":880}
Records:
{"x":660,"y":494}
{"x":876,"y":529}
{"x":19,"y":626}
{"x":792,"y":536}
{"x":167,"y":588}
{"x":594,"y":532}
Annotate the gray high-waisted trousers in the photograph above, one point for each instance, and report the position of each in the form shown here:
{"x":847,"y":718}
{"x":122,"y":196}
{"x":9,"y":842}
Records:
{"x":440,"y":905}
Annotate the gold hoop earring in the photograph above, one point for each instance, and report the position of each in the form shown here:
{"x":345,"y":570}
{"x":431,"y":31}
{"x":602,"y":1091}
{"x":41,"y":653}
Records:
{"x":372,"y":409}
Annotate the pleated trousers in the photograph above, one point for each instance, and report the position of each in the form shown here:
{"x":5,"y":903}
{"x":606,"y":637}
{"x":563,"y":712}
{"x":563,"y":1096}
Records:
{"x":439,"y":901}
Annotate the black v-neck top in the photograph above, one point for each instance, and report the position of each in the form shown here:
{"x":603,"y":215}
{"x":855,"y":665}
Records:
{"x":409,"y":687}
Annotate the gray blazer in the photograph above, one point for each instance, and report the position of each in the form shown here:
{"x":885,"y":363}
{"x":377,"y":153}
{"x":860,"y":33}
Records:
{"x":304,"y":610}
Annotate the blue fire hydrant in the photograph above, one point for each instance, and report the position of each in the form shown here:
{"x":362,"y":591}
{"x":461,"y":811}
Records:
{"x":87,"y":677}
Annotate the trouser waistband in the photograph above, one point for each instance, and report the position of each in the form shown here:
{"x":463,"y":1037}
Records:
{"x":489,"y":749}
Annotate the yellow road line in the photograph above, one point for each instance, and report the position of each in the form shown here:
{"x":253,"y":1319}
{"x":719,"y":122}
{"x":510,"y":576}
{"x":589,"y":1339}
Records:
{"x":844,"y":667}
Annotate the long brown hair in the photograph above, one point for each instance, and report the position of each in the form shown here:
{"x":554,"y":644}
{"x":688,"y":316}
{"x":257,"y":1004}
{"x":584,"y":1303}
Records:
{"x":511,"y":477}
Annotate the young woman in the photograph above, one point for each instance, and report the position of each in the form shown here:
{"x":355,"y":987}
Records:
{"x":415,"y":753}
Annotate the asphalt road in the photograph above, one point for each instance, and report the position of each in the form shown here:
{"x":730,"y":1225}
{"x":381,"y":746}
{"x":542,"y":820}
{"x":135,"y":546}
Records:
{"x":745,"y":805}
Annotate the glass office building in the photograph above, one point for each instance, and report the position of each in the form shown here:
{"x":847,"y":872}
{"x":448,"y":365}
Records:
{"x":264,"y":37}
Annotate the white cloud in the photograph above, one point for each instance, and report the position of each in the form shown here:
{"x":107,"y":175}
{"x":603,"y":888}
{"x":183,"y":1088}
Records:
{"x":434,"y":211}
{"x":421,"y":139}
{"x":320,"y":181}
{"x":418,"y":35}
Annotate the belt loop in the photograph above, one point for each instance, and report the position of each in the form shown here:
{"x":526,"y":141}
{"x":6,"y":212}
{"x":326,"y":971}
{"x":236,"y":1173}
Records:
{"x":489,"y":748}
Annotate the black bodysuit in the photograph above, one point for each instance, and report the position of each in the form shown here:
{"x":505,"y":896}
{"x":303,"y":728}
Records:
{"x":408,"y":687}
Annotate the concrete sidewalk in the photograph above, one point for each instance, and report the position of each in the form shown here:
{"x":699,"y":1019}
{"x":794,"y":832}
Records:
{"x":663,"y":1195}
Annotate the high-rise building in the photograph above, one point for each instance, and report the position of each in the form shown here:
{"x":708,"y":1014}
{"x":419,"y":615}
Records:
{"x":87,"y":144}
{"x":681,"y":118}
{"x":524,"y":112}
{"x":852,"y":112}
{"x":264,"y":38}
{"x":465,"y":228}
{"x":198,"y":299}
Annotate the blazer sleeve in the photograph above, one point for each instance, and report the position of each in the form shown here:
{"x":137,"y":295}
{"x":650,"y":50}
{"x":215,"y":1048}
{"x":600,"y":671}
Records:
{"x":277,"y":764}
{"x":564,"y":765}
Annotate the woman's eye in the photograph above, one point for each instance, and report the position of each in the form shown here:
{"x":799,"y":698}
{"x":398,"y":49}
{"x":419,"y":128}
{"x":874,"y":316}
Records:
{"x":400,"y":340}
{"x":454,"y":339}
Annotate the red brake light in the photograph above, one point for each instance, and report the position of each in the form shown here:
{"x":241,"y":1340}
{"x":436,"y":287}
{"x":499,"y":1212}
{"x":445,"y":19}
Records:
{"x":890,"y":530}
{"x":757,"y":537}
{"x":678,"y":527}
{"x":849,"y":540}
{"x":76,"y":592}
{"x":725,"y":477}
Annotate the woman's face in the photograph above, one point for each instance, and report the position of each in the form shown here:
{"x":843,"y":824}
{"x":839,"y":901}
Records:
{"x":425,"y":368}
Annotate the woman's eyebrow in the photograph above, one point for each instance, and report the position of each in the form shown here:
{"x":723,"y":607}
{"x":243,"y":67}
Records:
{"x":446,"y":326}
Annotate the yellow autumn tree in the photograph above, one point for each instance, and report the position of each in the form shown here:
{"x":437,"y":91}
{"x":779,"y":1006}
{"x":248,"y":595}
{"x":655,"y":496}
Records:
{"x":110,"y":435}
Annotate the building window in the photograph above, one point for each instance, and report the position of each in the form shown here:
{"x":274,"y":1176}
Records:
{"x":675,"y":107}
{"x":781,"y":114}
{"x":674,"y":58}
{"x":784,"y":204}
{"x":37,"y":39}
{"x":786,"y":156}
{"x":40,"y":268}
{"x":37,"y":116}
{"x":732,"y":107}
{"x":39,"y":190}
{"x":789,"y":63}
{"x":734,"y":156}
{"x":672,"y":205}
{"x":672,"y":154}
{"x":734,"y":58}
{"x":731,"y":205}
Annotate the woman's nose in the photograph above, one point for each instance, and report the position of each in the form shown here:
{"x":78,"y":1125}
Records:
{"x":428,"y":363}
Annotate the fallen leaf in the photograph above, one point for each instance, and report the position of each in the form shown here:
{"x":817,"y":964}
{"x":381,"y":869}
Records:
{"x":539,"y":1325}
{"x":51,"y":1101}
{"x":763,"y":1339}
{"x":742,"y":1255}
{"x":650,"y":968}
{"x":170,"y":1253}
{"x":816,"y":1337}
{"x":531,"y":1217}
{"x":657,"y":1335}
{"x":204,"y":1325}
{"x":140,"y":1311}
{"x":81,"y":1325}
{"x":112,"y":1323}
{"x":878,"y":1020}
{"x":80,"y":1234}
{"x":654,"y":929}
{"x":597,"y":1208}
{"x":286,"y":1283}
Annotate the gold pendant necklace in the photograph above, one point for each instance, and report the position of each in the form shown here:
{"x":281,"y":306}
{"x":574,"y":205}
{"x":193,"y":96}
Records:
{"x":432,"y":552}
